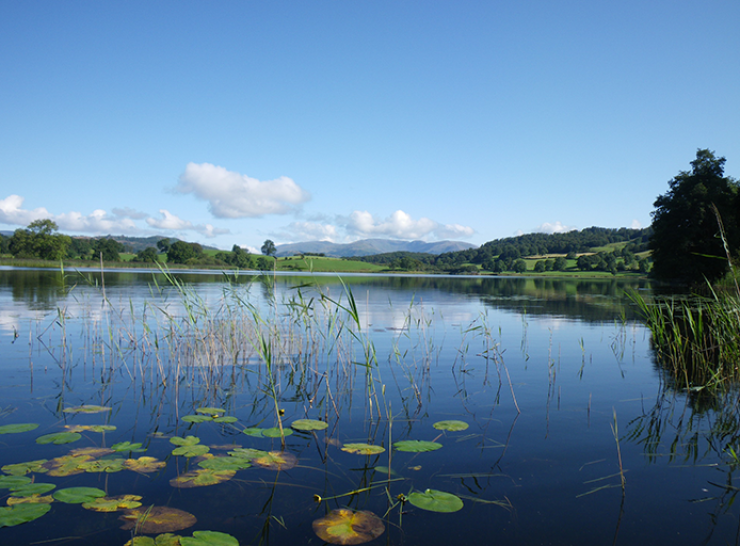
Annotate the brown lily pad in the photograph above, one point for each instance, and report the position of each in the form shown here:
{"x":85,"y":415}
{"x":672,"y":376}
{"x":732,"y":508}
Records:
{"x":276,"y":460}
{"x":157,"y":519}
{"x":345,"y":526}
{"x":202,"y":478}
{"x":144,"y":465}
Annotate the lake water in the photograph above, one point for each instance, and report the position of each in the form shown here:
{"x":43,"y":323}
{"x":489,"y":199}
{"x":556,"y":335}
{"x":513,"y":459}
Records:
{"x":554,"y":379}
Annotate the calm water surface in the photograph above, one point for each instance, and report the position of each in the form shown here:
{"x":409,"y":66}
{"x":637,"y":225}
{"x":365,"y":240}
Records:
{"x":554,"y":378}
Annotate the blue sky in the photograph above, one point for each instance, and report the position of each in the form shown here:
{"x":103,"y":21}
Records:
{"x":234,"y":122}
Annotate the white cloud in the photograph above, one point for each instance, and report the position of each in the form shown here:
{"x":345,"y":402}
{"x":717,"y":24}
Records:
{"x":233,"y":195}
{"x":557,"y":227}
{"x":636,"y":224}
{"x":127,"y":212}
{"x":173,"y":222}
{"x":12,"y":213}
{"x":400,"y":225}
{"x":311,"y":231}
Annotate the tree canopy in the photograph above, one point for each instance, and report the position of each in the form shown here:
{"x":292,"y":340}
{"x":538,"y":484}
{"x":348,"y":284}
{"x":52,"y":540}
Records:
{"x":38,"y":240}
{"x":268,"y":248}
{"x":687,"y":244}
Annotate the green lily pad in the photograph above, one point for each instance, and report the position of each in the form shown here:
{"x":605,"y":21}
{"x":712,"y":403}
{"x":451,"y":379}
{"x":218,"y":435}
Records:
{"x":191,"y":451}
{"x":11,"y":516}
{"x":202,"y":478}
{"x":59,"y":438}
{"x":103,"y":465}
{"x":21,"y":469}
{"x":343,"y":526}
{"x":247,"y":453}
{"x":67,"y":465}
{"x":209,"y":538}
{"x":187,"y":441}
{"x":451,"y":425}
{"x":307,"y":425}
{"x":276,"y":460}
{"x":225,"y":419}
{"x":363,"y":449}
{"x":128,"y":446}
{"x":253,"y":431}
{"x":89,"y":428}
{"x":31,"y":489}
{"x":210,"y":411}
{"x":436,"y":501}
{"x":416,"y":446}
{"x":144,"y":465}
{"x":86,"y":409}
{"x":11,"y":482}
{"x":225,"y":463}
{"x":78,"y":495}
{"x":166,"y":539}
{"x":113,"y":504}
{"x":274,"y":432}
{"x":157,"y":519}
{"x":196,"y":418}
{"x":18,"y":427}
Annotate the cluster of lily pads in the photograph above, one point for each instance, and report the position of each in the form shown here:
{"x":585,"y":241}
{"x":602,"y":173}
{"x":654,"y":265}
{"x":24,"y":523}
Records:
{"x":28,"y":500}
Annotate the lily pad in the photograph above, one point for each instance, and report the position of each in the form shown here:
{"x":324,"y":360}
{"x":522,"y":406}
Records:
{"x":202,"y":478}
{"x":31,"y":489}
{"x":210,"y":411}
{"x":144,"y":465}
{"x":157,"y":519}
{"x":11,"y":516}
{"x":11,"y":482}
{"x":343,"y":526}
{"x":209,"y":538}
{"x":92,"y":452}
{"x":307,"y":425}
{"x":253,"y":431}
{"x":196,"y":418}
{"x":21,"y":469}
{"x":247,"y":453}
{"x":274,"y":432}
{"x":225,"y":463}
{"x":32,"y":499}
{"x":86,"y":409}
{"x":186,"y":441}
{"x":225,"y":419}
{"x":67,"y":465}
{"x":59,"y":438}
{"x":276,"y":460}
{"x":363,"y":449}
{"x":113,"y":504}
{"x":103,"y":465}
{"x":436,"y":501}
{"x":89,"y":428}
{"x":18,"y":427}
{"x":451,"y":425}
{"x":416,"y":446}
{"x":78,"y":495}
{"x":165,"y":539}
{"x":191,"y":451}
{"x":128,"y":446}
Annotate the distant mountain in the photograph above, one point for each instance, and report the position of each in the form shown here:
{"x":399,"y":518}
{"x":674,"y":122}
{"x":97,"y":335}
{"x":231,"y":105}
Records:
{"x":368,"y":247}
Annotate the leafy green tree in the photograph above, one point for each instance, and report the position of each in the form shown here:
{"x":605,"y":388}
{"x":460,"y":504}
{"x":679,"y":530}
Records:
{"x":540,"y":266}
{"x":80,"y":247}
{"x":180,"y":252}
{"x":163,"y":245}
{"x":240,"y":258}
{"x":264,"y":264}
{"x":149,"y":254}
{"x":268,"y":248}
{"x":108,"y":248}
{"x":560,"y":264}
{"x":519,"y":266}
{"x":38,"y":240}
{"x":686,"y":242}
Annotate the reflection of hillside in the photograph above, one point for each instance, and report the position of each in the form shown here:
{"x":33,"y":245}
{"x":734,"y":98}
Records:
{"x":591,"y":300}
{"x":39,"y":289}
